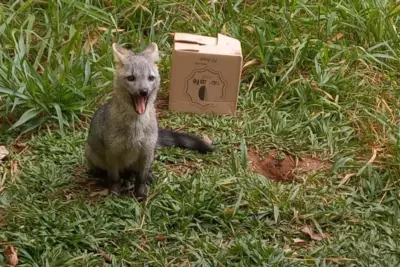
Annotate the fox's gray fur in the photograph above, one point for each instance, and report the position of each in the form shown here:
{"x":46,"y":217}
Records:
{"x":124,"y":134}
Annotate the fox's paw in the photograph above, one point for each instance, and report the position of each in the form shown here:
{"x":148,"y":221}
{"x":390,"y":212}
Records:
{"x":115,"y":188}
{"x":141,"y":192}
{"x":150,"y":178}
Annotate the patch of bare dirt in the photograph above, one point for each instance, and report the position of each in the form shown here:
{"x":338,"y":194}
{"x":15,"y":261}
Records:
{"x":80,"y":171}
{"x":19,"y":148}
{"x":88,"y":183}
{"x":2,"y":219}
{"x":92,"y":185}
{"x":181,"y":169}
{"x":83,"y":186}
{"x":279,"y":166}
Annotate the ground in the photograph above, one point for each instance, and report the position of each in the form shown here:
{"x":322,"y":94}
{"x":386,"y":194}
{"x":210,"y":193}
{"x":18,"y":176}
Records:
{"x":307,"y":173}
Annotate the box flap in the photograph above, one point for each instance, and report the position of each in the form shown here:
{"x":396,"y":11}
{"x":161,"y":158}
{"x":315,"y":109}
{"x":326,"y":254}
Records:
{"x":223,"y":45}
{"x":187,"y":47}
{"x":194,"y":39}
{"x":231,"y":43}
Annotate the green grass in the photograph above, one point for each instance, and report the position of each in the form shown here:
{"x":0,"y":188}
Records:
{"x":321,"y":78}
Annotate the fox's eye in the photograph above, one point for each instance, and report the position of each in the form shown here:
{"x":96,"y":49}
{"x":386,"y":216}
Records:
{"x":131,"y":78}
{"x":152,"y":78}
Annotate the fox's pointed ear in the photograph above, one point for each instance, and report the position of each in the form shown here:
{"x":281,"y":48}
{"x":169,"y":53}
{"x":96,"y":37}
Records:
{"x":120,"y":54}
{"x":152,"y":52}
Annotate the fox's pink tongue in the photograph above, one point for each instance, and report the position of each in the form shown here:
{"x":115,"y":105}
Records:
{"x":141,"y":104}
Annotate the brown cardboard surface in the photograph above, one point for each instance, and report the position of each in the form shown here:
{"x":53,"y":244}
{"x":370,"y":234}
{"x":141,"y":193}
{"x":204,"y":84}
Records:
{"x":195,"y":39}
{"x":205,"y":74}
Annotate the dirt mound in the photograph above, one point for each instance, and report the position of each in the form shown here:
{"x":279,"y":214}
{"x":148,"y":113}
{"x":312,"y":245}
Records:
{"x":282,"y":167}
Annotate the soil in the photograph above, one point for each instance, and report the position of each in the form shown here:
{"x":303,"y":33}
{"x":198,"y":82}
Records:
{"x":285,"y":168}
{"x":2,"y":219}
{"x":181,"y":169}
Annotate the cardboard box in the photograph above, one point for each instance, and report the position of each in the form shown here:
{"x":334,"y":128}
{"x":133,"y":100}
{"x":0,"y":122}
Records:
{"x":206,"y":73}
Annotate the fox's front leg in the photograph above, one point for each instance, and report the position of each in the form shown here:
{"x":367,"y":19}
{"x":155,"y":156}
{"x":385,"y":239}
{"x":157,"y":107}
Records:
{"x":145,"y":175}
{"x":113,"y":178}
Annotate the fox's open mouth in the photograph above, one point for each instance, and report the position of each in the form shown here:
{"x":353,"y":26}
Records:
{"x":139,"y":103}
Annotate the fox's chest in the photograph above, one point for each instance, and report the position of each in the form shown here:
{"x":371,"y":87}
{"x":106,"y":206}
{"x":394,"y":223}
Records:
{"x":133,"y":138}
{"x":142,"y":136}
{"x":133,"y":144}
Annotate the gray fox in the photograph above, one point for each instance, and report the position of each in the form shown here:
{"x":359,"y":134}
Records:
{"x":124,"y":134}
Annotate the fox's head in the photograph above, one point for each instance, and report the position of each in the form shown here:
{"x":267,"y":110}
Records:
{"x":137,"y":77}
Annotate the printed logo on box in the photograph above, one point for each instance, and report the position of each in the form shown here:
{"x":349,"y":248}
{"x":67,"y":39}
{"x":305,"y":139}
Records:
{"x":204,"y":87}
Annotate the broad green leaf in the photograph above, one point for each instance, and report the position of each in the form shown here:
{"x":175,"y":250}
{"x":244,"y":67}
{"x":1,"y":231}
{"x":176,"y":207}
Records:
{"x":28,"y":115}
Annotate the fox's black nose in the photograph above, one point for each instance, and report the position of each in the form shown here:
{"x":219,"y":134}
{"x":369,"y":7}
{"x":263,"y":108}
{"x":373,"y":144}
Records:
{"x":143,"y":92}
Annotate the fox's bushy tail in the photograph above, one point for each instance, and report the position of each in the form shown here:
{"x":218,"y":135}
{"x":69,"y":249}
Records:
{"x":170,"y":138}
